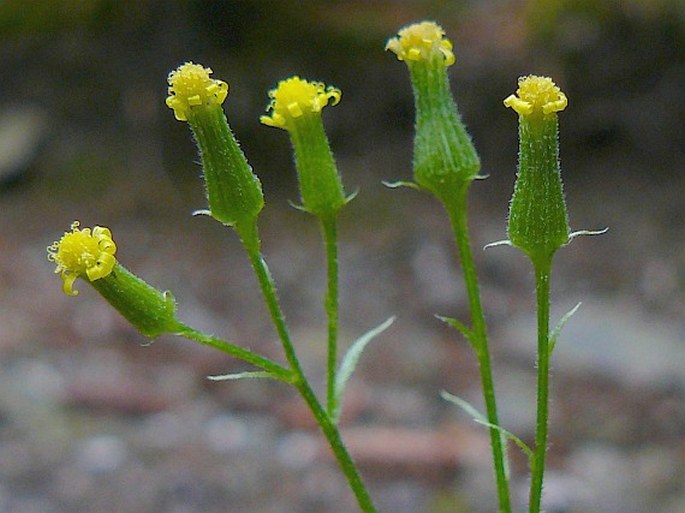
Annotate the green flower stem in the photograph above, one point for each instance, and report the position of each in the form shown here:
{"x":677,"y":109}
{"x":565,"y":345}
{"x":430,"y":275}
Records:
{"x":542,"y":276}
{"x":458,"y":215}
{"x":276,"y":370}
{"x":249,"y":236}
{"x":332,"y":434}
{"x":329,"y":229}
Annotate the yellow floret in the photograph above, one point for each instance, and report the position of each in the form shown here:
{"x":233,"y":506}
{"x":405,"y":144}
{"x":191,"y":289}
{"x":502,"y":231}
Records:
{"x":296,"y":97}
{"x":191,"y":86}
{"x":79,"y":252}
{"x":421,"y":41}
{"x":537,"y":94}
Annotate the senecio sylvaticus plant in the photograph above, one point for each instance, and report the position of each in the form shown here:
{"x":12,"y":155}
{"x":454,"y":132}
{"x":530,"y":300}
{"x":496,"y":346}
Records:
{"x":445,"y":164}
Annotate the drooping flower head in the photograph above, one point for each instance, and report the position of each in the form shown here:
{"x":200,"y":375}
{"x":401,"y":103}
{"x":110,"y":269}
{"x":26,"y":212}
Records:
{"x":295,"y":98}
{"x":190,"y":86}
{"x":536,"y":94}
{"x":421,"y":41}
{"x":86,"y":251}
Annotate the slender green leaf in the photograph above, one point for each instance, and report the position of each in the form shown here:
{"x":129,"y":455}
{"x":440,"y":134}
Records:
{"x":554,"y":334}
{"x":349,"y":362}
{"x":242,"y":375}
{"x":464,"y":405}
{"x":461,"y":328}
{"x":508,"y":435}
{"x":479,"y":418}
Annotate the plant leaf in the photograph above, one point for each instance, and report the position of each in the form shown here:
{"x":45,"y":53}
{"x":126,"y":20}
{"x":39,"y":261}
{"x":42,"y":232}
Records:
{"x":460,"y":327}
{"x":508,"y":435}
{"x":349,"y":362}
{"x":554,"y":334}
{"x":242,"y":375}
{"x":464,"y":405}
{"x":479,"y":418}
{"x":400,"y":183}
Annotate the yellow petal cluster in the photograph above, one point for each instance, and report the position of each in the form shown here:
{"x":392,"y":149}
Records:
{"x":191,"y":86}
{"x":421,"y":41}
{"x":296,"y":97}
{"x":83,"y":252}
{"x":536,"y":93}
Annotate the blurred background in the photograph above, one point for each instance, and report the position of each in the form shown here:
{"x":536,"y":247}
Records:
{"x":93,"y":419}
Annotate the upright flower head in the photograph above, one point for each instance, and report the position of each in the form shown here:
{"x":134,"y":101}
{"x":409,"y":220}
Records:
{"x":80,"y":252}
{"x":190,"y":86}
{"x":233,"y":191}
{"x":296,"y":106}
{"x":538,"y":219}
{"x":295,"y":98}
{"x":536,"y":94}
{"x":421,"y":41}
{"x":445,"y":160}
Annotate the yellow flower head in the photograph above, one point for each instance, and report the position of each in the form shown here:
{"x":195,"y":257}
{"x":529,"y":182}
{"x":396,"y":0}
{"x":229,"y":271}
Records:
{"x":190,"y":86}
{"x":79,"y":252}
{"x":537,"y":94}
{"x":296,"y":97}
{"x":421,"y":41}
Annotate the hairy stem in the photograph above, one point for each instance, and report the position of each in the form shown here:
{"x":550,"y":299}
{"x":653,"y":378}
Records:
{"x":345,"y":461}
{"x":250,"y":238}
{"x":459,"y":219}
{"x":329,"y":228}
{"x":542,"y":276}
{"x":276,"y":370}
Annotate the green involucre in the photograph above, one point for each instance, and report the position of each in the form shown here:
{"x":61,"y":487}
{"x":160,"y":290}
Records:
{"x":321,"y":189}
{"x":234,"y":192}
{"x":538,"y":219}
{"x":150,"y":311}
{"x":445,"y":160}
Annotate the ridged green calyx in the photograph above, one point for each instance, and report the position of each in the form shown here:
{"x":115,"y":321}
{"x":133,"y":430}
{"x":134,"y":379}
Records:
{"x":149,"y":310}
{"x":538,"y":219}
{"x":445,"y":160}
{"x":89,"y":253}
{"x":233,"y":191}
{"x":296,"y":106}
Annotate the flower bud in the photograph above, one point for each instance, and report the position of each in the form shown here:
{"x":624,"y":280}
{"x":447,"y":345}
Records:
{"x":538,"y":219}
{"x":296,"y":106}
{"x":445,"y":160}
{"x":233,"y":191}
